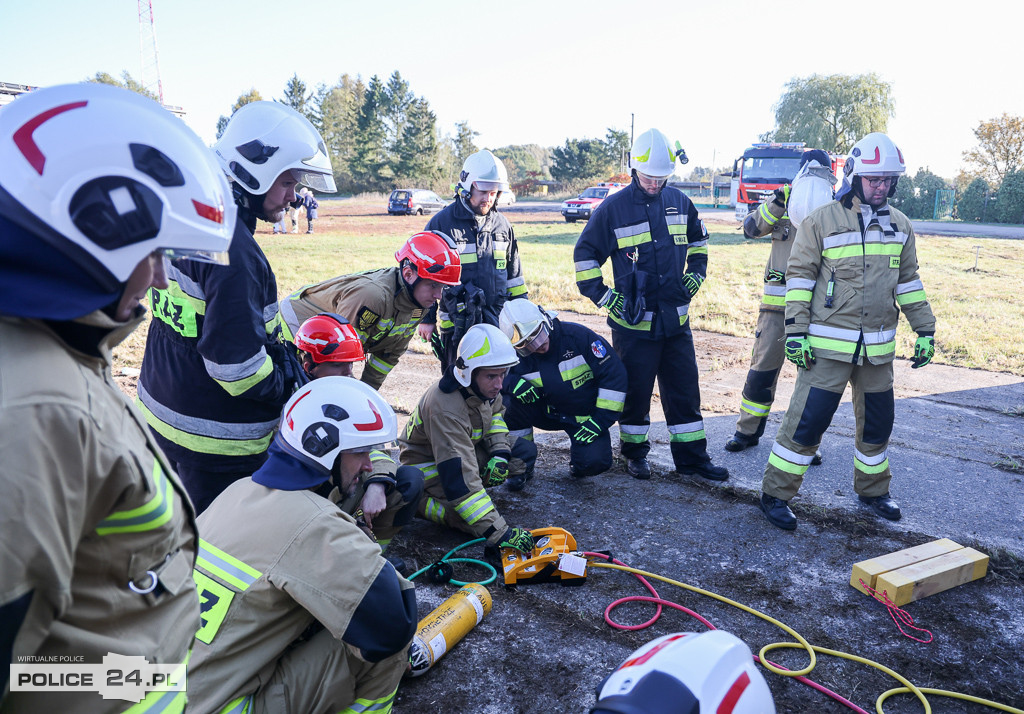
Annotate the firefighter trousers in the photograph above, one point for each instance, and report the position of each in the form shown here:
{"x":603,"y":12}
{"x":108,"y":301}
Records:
{"x":584,"y":459}
{"x":766,"y":360}
{"x":323,"y":675}
{"x":673,"y":362}
{"x":816,"y":397}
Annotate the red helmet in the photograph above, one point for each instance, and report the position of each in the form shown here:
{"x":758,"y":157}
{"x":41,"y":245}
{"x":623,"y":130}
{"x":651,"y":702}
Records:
{"x":329,"y":338}
{"x":434,"y":256}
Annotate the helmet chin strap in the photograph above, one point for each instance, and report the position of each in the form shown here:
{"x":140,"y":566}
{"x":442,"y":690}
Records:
{"x":409,"y":287}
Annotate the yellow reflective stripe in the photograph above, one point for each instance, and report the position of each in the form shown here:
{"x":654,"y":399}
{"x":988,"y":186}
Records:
{"x":676,"y":229}
{"x":371,"y":706}
{"x":214,"y":600}
{"x":787,"y":466}
{"x":467,"y":258}
{"x":758,"y":410}
{"x":153,"y":514}
{"x":475,"y":507}
{"x":643,"y":325}
{"x":883,"y":248}
{"x":446,"y":324}
{"x":378,"y":455}
{"x":239,"y":706}
{"x":175,"y":291}
{"x":379,"y":364}
{"x":242,"y":385}
{"x":825,"y":343}
{"x":630,"y":241}
{"x":699,"y":250}
{"x":880,"y":350}
{"x":609,"y":405}
{"x":582,"y":275}
{"x":688,"y":436}
{"x":911,"y":298}
{"x":776,"y":299}
{"x":517,"y":290}
{"x":868,"y":469}
{"x":226,"y":567}
{"x":434,"y":510}
{"x":767,"y":215}
{"x":798,"y":295}
{"x":157,"y":702}
{"x":205,"y":444}
{"x":498,"y":425}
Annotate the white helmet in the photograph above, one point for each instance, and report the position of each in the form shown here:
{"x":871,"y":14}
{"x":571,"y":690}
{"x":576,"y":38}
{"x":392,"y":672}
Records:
{"x":485,"y":170}
{"x":523,"y":323}
{"x":652,"y":155}
{"x":875,"y":155}
{"x":106,"y":177}
{"x":482,"y":346}
{"x":332,"y":415}
{"x":686,"y":673}
{"x":264,"y":139}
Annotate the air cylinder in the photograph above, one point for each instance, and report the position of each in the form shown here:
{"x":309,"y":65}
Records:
{"x":448,"y":623}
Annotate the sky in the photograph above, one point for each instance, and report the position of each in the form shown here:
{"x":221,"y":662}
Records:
{"x":706,"y":74}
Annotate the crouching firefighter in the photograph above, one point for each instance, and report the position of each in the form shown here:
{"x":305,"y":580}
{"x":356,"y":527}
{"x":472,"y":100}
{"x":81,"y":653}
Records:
{"x":300,"y":611}
{"x":568,"y":379}
{"x":457,"y":437}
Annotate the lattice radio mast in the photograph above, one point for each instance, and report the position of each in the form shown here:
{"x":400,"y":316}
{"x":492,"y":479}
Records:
{"x":147,"y":48}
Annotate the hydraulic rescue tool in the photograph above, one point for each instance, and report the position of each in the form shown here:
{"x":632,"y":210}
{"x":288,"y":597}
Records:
{"x":554,"y":558}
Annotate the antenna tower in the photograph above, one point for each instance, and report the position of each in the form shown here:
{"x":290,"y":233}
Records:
{"x":147,"y":48}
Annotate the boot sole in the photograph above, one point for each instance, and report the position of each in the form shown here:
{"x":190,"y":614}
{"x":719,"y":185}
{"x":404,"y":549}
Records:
{"x":781,"y":526}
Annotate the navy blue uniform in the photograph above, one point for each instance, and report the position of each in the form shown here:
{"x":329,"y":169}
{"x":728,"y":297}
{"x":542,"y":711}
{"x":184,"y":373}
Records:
{"x":209,"y":389}
{"x":661,"y":237}
{"x":579,"y":376}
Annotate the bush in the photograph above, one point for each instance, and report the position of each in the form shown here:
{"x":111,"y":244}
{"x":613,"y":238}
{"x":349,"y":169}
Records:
{"x":971,"y":204}
{"x":1009,"y":205}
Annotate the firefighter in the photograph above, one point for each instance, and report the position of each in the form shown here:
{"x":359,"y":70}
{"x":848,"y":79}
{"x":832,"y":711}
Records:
{"x":853,"y":267}
{"x":568,"y":379}
{"x":651,"y":231}
{"x":457,"y":437}
{"x":98,"y":533}
{"x":768,"y":355}
{"x":385,"y":305}
{"x":386,"y":501}
{"x":484,"y":238}
{"x":300,"y":611}
{"x":215,"y":374}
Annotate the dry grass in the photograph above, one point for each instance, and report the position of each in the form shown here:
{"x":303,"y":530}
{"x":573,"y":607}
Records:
{"x":980,"y":313}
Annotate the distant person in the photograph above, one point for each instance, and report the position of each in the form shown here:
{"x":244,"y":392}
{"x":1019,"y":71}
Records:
{"x":568,"y":379}
{"x":658,"y":247}
{"x":852,"y":269}
{"x":97,"y":186}
{"x":311,"y":205}
{"x":457,"y":437}
{"x":300,"y":611}
{"x":215,"y":373}
{"x":770,"y":217}
{"x":491,"y":272}
{"x":386,"y":305}
{"x":293,"y":213}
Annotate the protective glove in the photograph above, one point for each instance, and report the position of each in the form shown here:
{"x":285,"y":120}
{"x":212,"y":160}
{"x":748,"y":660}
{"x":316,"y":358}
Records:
{"x":692,"y":283}
{"x":774,"y":276}
{"x":615,"y":302}
{"x":496,"y":471}
{"x":437,"y":345}
{"x":287,"y":361}
{"x":588,"y":431}
{"x":798,"y":351}
{"x":525,"y":392}
{"x":782,"y":195}
{"x":924,"y":349}
{"x":518,"y":538}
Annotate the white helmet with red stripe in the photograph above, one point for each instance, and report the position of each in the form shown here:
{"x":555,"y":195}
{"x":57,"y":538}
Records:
{"x":875,"y":155}
{"x":686,"y":673}
{"x":331,"y":415}
{"x":107,"y":176}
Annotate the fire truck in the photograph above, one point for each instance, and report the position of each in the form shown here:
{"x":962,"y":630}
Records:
{"x":766,"y":167}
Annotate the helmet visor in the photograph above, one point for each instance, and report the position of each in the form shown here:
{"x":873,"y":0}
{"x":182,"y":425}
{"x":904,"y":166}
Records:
{"x":316,"y":180}
{"x":216,"y":257}
{"x":489,"y":185}
{"x":534,"y":338}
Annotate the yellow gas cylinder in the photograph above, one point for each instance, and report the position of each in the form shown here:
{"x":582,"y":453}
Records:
{"x":446,"y":625}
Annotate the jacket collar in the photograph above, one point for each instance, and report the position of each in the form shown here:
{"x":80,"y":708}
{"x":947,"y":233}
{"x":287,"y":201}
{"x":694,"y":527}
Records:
{"x":95,"y":335}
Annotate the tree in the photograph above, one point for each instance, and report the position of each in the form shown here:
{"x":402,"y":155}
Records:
{"x":520,"y":161}
{"x":926,"y":186}
{"x":1000,"y":149}
{"x":251,"y":96}
{"x":832,"y":112}
{"x":416,"y":152}
{"x":618,"y":147}
{"x":1009,"y":204}
{"x":299,"y":98}
{"x":905,"y":196}
{"x":971,"y":204}
{"x":126,"y":82}
{"x":369,"y":157}
{"x":339,"y":116}
{"x":580,"y":159}
{"x":463,"y":144}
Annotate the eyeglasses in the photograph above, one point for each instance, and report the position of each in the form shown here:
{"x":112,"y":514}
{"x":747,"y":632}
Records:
{"x":880,"y":181}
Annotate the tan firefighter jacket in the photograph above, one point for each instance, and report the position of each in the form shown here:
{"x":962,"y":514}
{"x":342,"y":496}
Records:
{"x":845,"y":284}
{"x":771,"y":218}
{"x":457,"y":427}
{"x":90,"y":509}
{"x":377,"y":304}
{"x":271,"y":564}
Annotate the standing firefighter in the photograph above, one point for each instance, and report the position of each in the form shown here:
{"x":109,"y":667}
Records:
{"x":300,"y":611}
{"x":853,"y":268}
{"x":457,"y":437}
{"x":215,"y":374}
{"x":484,"y":238}
{"x":384,"y":305}
{"x":659,"y":251}
{"x":771,"y":218}
{"x":97,"y":185}
{"x":568,"y":379}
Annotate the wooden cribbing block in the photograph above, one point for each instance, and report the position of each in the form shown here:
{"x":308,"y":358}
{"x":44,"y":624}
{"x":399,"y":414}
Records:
{"x":918,"y":572}
{"x":934,"y":575}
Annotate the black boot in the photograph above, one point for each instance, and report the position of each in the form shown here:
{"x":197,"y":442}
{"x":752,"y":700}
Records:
{"x":739,"y":442}
{"x":883,"y":505}
{"x":638,"y":468}
{"x":704,"y":469}
{"x":517,"y":482}
{"x":816,"y":461}
{"x":777,"y":512}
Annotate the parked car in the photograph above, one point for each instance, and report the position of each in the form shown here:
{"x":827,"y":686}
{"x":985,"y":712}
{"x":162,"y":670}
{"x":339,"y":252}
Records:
{"x":507,"y":198}
{"x":407,"y":201}
{"x":588,"y":201}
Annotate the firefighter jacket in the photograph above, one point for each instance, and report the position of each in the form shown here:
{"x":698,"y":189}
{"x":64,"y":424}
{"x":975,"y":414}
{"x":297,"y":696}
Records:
{"x":660,"y":236}
{"x":852,"y":270}
{"x":378,"y":305}
{"x":209,"y":386}
{"x":272,"y":563}
{"x":450,"y":436}
{"x":489,"y":255}
{"x":769,"y":218}
{"x":90,"y":510}
{"x":580,"y":375}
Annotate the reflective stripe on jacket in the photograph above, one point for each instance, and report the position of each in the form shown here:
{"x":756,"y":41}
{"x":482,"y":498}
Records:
{"x":768,"y":218}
